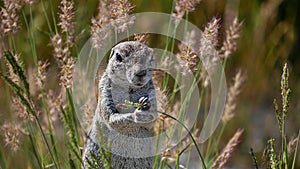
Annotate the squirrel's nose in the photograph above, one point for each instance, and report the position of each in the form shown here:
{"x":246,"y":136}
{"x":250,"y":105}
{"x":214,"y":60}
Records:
{"x":141,"y":73}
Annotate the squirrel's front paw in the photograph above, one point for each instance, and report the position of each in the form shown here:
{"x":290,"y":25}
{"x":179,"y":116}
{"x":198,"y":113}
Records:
{"x":143,"y":117}
{"x":145,"y":103}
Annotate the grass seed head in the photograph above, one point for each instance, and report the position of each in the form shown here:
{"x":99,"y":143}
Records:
{"x":66,"y":74}
{"x":9,"y":16}
{"x":12,"y":135}
{"x":115,"y":12}
{"x":41,"y":74}
{"x":183,"y":6}
{"x":230,"y":42}
{"x":20,"y":110}
{"x":233,"y":92}
{"x":66,"y":17}
{"x":227,"y":152}
{"x":211,"y":31}
{"x":142,"y":38}
{"x":60,"y":52}
{"x":187,"y":58}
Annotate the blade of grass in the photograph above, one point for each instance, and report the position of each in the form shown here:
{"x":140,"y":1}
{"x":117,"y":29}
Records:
{"x":30,"y":35}
{"x":3,"y":161}
{"x":35,"y":151}
{"x":191,"y":135}
{"x":53,"y":16}
{"x":50,"y":128}
{"x":74,"y":116}
{"x":296,"y":152}
{"x":47,"y":18}
{"x":12,"y":43}
{"x":69,"y":126}
{"x":72,"y":143}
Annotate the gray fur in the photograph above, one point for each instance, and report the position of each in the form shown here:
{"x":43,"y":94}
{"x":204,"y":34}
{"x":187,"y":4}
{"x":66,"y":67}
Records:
{"x":128,"y":76}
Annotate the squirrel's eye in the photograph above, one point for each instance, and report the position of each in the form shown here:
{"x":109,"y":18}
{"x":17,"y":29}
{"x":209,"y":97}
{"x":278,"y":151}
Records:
{"x":119,"y":57}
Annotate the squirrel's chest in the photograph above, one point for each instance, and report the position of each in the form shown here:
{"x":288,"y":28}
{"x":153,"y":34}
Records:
{"x":120,"y":94}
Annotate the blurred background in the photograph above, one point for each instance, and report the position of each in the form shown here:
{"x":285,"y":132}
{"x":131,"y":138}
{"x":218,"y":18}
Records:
{"x":269,"y":39}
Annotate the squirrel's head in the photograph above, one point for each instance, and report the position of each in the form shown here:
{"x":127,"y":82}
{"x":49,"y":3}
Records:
{"x":130,"y":63}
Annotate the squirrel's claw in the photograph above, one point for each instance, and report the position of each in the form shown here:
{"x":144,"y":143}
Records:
{"x":145,"y":103}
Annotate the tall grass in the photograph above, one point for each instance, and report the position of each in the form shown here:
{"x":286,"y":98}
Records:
{"x":283,"y":158}
{"x":43,"y":130}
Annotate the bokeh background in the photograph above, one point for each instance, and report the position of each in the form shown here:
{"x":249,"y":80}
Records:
{"x":269,"y":39}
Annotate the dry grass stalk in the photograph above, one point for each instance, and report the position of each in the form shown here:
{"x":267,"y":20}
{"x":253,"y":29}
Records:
{"x":120,"y":8}
{"x":66,"y":73}
{"x":233,"y":92}
{"x":208,"y":43}
{"x":66,"y":17}
{"x":99,"y":28}
{"x":66,"y":62}
{"x":211,"y":31}
{"x":142,"y":38}
{"x":292,"y":146}
{"x":20,"y":110}
{"x":162,"y":99}
{"x":53,"y":102}
{"x":115,"y":12}
{"x":230,"y":42}
{"x":187,"y":58}
{"x":158,"y":76}
{"x":120,"y":15}
{"x":41,"y":74}
{"x":89,"y":111}
{"x":12,"y":135}
{"x":208,"y":52}
{"x":104,"y":11}
{"x":29,"y":2}
{"x":227,"y":152}
{"x":62,"y":46}
{"x":31,"y":75}
{"x":103,"y":16}
{"x":9,"y":16}
{"x":61,"y":51}
{"x":183,"y":6}
{"x":98,"y":33}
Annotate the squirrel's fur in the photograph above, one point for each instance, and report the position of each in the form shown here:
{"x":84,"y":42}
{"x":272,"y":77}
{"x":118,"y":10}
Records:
{"x":120,"y":130}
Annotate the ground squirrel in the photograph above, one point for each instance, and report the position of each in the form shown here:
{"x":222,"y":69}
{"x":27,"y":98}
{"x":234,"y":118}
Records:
{"x":128,"y":76}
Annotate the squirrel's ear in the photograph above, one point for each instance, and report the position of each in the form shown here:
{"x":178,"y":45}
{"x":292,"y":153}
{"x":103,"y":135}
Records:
{"x":112,"y":52}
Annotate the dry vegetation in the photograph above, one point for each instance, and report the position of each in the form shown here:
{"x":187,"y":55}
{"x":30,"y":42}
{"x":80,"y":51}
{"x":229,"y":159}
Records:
{"x":40,"y":127}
